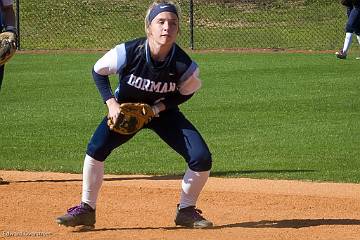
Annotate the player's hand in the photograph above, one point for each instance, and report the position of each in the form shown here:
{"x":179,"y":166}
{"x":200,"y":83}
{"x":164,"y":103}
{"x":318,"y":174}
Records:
{"x":113,"y":108}
{"x":157,"y":108}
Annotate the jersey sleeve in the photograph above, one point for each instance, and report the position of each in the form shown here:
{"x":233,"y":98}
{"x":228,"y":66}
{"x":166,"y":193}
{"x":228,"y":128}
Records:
{"x":188,"y":84}
{"x":112,"y":62}
{"x":190,"y":81}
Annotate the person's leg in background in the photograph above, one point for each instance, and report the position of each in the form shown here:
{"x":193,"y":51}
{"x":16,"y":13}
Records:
{"x":351,"y":27}
{"x":2,"y":69}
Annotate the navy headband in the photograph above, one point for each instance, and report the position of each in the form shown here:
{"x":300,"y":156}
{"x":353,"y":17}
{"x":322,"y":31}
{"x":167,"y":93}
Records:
{"x":163,"y":7}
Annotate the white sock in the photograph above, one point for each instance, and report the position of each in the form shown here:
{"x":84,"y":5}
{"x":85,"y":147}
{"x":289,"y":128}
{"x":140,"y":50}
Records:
{"x":93,"y":173}
{"x":358,"y":38}
{"x":192,"y":184}
{"x":347,"y":42}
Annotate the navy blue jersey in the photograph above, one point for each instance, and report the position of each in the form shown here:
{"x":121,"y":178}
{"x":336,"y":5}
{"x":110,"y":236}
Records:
{"x":140,"y":78}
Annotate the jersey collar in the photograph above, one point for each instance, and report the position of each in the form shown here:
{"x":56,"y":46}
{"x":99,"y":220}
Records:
{"x":151,"y":62}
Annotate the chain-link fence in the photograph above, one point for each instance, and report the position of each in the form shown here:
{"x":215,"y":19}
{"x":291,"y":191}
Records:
{"x":206,"y":24}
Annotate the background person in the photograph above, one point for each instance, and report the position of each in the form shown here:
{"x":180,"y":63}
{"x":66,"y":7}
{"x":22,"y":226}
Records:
{"x":352,"y":26}
{"x":7,"y":18}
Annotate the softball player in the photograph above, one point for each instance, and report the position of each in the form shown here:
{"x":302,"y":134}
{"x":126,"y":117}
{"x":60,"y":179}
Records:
{"x":7,"y":18}
{"x":156,"y":71}
{"x":352,"y":26}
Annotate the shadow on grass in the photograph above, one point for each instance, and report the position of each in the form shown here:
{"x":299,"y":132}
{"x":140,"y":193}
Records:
{"x":170,"y":177}
{"x":288,"y":223}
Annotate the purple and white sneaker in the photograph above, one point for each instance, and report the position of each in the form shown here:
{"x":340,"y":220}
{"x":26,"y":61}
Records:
{"x":82,"y":215}
{"x":191,"y":217}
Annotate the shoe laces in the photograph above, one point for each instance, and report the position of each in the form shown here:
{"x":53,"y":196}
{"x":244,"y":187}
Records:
{"x":195,"y":213}
{"x":80,"y":209}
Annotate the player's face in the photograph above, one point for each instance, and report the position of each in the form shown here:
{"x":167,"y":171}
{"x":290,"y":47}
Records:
{"x":164,"y":28}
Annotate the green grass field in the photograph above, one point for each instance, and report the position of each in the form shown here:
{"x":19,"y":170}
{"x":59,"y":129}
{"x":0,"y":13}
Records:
{"x":270,"y":115}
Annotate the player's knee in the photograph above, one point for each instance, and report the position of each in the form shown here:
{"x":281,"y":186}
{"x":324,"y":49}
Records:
{"x":97,"y":152}
{"x":200,"y":163}
{"x":349,"y":28}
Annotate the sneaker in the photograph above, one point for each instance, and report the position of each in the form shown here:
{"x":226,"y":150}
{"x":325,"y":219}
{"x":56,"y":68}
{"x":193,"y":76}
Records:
{"x":340,"y":54}
{"x":191,"y":217}
{"x":82,"y":215}
{"x":3,"y":182}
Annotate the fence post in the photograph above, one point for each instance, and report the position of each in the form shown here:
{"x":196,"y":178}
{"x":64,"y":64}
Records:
{"x":191,"y":16}
{"x":18,"y":24}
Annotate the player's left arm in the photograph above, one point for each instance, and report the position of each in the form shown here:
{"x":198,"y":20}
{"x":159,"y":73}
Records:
{"x":189,"y":84}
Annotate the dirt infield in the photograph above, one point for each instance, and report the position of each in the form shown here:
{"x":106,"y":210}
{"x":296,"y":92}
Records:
{"x":143,"y":207}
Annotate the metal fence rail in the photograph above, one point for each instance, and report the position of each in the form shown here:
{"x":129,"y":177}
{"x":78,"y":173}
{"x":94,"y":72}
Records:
{"x":206,"y":24}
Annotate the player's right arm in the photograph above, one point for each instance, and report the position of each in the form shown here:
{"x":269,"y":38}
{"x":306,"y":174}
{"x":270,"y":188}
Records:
{"x":109,"y":64}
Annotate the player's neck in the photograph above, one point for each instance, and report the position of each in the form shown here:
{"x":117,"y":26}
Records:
{"x":159,"y":52}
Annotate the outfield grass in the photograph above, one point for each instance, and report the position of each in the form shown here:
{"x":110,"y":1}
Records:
{"x":270,"y":115}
